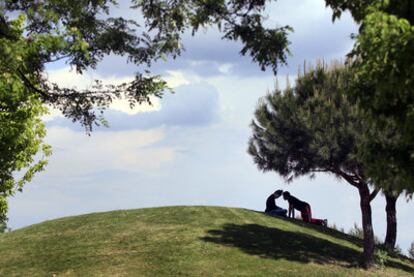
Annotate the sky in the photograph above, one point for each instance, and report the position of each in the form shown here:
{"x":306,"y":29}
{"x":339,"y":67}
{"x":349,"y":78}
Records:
{"x":189,"y":148}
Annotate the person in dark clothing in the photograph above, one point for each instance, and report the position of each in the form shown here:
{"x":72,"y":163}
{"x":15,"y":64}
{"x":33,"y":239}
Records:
{"x":304,"y":208}
{"x":271,"y":207}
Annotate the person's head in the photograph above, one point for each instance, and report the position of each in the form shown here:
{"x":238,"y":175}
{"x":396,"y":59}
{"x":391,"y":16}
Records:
{"x":286,"y":195}
{"x":278,"y":193}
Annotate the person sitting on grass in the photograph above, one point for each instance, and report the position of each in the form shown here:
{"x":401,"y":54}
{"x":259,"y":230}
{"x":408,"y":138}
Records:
{"x":271,"y":207}
{"x":304,"y":208}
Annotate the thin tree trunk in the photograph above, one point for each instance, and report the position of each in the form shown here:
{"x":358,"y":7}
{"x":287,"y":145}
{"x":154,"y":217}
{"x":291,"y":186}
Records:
{"x":391,"y":236}
{"x":369,"y":245}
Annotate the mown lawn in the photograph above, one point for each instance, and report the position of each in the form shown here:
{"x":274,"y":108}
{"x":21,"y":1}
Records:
{"x":184,"y":241}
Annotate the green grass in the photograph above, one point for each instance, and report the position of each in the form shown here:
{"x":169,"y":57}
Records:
{"x":184,"y":241}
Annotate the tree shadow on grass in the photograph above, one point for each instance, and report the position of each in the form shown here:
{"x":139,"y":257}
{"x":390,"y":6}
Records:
{"x":273,"y":243}
{"x":328,"y":231}
{"x":354,"y":240}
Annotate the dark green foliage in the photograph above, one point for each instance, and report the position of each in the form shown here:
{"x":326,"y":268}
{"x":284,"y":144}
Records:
{"x":82,"y":33}
{"x":237,"y":19}
{"x":358,"y":8}
{"x":361,"y":8}
{"x":309,"y":128}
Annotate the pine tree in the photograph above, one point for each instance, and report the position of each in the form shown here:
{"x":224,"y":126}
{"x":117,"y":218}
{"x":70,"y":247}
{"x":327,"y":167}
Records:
{"x":311,"y":128}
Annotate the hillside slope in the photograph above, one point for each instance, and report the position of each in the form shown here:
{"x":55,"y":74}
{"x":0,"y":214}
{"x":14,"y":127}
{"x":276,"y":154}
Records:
{"x":184,"y":241}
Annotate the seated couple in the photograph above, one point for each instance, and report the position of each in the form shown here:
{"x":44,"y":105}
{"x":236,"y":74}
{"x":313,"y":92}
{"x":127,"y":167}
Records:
{"x":294,"y":204}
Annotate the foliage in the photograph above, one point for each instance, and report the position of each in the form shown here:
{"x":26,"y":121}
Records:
{"x":411,"y":251}
{"x":311,"y":128}
{"x":238,"y":20}
{"x":381,"y":257}
{"x":3,"y":226}
{"x":397,"y":250}
{"x":336,"y":228}
{"x":21,"y":138}
{"x":357,"y":231}
{"x":82,"y":33}
{"x":183,"y":241}
{"x":383,"y":58}
{"x":34,"y":33}
{"x":21,"y":128}
{"x":44,"y":32}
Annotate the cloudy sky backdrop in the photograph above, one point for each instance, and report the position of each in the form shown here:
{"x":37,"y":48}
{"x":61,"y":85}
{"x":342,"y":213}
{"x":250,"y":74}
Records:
{"x":189,"y":148}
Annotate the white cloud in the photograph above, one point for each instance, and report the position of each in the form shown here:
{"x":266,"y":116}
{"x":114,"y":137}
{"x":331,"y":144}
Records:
{"x":66,"y":77}
{"x":302,"y":15}
{"x":176,"y":78}
{"x":76,"y":154}
{"x":225,"y":68}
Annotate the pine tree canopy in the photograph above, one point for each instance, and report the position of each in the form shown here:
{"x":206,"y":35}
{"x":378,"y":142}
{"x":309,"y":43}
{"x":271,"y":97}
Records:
{"x":312,"y":127}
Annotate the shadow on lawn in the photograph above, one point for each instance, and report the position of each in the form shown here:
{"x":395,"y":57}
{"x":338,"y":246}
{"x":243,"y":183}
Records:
{"x":273,"y":243}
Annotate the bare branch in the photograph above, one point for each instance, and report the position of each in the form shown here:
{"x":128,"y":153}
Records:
{"x":373,"y":194}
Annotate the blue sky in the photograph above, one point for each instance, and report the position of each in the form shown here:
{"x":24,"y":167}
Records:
{"x":190,"y":147}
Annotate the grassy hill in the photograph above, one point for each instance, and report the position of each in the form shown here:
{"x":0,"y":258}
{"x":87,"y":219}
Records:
{"x":184,"y":241}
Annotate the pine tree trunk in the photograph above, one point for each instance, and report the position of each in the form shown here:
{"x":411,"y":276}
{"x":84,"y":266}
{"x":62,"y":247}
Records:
{"x":391,"y":236}
{"x":369,"y":245}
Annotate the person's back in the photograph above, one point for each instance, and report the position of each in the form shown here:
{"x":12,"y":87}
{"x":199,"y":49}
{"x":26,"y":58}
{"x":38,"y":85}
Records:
{"x":270,"y":203}
{"x":297,"y":204}
{"x":271,"y":207}
{"x":303,"y":207}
